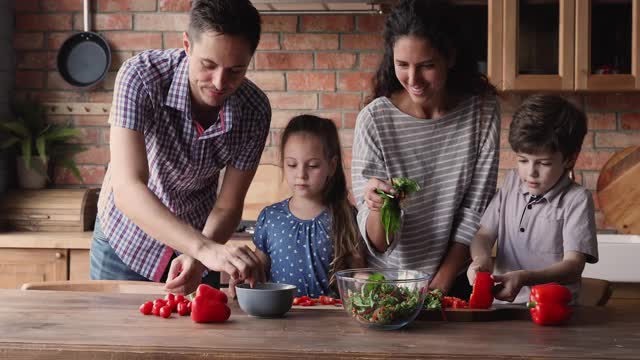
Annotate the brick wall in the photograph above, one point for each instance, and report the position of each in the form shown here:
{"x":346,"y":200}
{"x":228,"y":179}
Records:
{"x":306,"y":64}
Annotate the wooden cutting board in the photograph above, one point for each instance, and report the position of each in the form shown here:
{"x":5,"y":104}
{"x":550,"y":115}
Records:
{"x":499,"y":312}
{"x":619,"y":190}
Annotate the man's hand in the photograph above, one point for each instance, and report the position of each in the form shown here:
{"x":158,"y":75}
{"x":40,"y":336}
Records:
{"x":185,"y":274}
{"x":479,"y":263}
{"x":240,"y":262}
{"x":510,"y":284}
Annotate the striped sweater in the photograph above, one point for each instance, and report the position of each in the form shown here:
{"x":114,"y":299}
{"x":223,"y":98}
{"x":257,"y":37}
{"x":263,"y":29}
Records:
{"x":454,"y":159}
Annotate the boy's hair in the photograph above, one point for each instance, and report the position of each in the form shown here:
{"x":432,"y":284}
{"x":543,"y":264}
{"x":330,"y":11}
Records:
{"x":436,"y":21}
{"x":548,"y":123}
{"x":344,"y":232}
{"x":231,"y":17}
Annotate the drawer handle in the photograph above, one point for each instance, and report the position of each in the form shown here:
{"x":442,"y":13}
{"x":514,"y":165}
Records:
{"x":59,"y":255}
{"x":36,"y":216}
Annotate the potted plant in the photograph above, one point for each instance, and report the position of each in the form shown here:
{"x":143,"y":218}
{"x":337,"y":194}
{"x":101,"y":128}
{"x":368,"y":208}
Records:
{"x":39,"y":144}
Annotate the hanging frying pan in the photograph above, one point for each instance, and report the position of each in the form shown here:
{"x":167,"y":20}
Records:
{"x":84,"y":58}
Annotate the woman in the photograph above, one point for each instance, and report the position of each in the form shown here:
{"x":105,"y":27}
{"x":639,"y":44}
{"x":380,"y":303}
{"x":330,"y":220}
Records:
{"x":435,"y":119}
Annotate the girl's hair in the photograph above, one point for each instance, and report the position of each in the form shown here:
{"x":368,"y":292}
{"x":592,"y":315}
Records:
{"x":433,"y":20}
{"x":336,"y":194}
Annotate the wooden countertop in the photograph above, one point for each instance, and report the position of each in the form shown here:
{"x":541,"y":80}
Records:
{"x":73,"y":240}
{"x":66,"y":325}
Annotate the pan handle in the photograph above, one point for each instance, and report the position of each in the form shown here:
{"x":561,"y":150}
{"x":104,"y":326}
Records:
{"x":86,"y":15}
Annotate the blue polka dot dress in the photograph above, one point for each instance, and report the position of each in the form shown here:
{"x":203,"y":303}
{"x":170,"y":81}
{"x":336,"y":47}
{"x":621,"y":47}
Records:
{"x":300,"y":250}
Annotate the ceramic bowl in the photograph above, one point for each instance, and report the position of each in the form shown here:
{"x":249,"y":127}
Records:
{"x":265,"y":299}
{"x":383,"y":298}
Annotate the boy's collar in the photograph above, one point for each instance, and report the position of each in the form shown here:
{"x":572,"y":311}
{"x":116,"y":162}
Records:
{"x":552,"y":195}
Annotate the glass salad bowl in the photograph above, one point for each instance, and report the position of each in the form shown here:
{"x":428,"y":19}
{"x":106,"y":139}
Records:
{"x":383,"y":298}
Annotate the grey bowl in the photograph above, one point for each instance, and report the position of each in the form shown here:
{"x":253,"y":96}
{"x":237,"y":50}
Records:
{"x":266,"y":299}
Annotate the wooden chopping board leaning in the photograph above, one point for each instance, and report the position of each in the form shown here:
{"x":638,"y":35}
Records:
{"x":619,"y":190}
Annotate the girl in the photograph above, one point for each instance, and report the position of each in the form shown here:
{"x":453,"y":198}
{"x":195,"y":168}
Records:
{"x":434,"y":119}
{"x":305,"y":239}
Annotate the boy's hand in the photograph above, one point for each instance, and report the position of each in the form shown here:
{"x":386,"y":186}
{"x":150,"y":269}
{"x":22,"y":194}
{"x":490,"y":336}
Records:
{"x":480,"y":263}
{"x":510,"y":284}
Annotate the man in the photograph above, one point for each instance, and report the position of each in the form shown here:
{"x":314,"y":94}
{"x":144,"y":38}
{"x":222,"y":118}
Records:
{"x":178,"y":117}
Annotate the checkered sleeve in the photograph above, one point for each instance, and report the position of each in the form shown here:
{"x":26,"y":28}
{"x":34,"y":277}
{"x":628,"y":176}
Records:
{"x":249,"y":157}
{"x":131,"y":100}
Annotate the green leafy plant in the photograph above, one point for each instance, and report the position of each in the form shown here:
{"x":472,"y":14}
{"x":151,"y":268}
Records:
{"x":392,"y":206}
{"x":30,"y":133}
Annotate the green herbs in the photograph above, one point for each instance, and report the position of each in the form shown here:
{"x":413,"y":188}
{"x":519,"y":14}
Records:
{"x":390,"y":211}
{"x":433,"y":300}
{"x":382,"y":303}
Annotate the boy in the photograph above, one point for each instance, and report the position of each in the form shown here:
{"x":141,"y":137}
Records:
{"x":543,"y":221}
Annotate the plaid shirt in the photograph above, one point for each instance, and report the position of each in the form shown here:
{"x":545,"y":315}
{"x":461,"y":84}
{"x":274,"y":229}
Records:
{"x":152,"y":96}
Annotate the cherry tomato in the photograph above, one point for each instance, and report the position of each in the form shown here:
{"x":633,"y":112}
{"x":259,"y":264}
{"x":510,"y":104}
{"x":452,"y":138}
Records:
{"x":170,"y":296}
{"x":160,"y":301}
{"x":165,"y":311}
{"x":146,"y":308}
{"x":179,"y":298}
{"x":188,"y":305}
{"x":172,"y":304}
{"x":307,"y":303}
{"x":183,"y":309}
{"x":156,"y":309}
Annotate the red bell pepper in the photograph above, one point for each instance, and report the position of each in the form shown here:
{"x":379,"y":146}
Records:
{"x":482,"y":294}
{"x":548,"y":304}
{"x":211,"y":292}
{"x":209,"y":305}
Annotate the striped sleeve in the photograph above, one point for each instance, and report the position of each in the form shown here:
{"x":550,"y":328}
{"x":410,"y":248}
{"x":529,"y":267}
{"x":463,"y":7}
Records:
{"x":367,"y":162}
{"x":131,"y":100}
{"x":483,"y":182}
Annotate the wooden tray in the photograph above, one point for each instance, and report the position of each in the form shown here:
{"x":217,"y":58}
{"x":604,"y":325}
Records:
{"x":498,"y":312}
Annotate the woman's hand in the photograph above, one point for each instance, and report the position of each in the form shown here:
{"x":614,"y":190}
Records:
{"x":373,"y":200}
{"x":185,"y":274}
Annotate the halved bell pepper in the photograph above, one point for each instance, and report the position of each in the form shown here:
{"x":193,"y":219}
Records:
{"x":548,"y":304}
{"x":482,"y":294}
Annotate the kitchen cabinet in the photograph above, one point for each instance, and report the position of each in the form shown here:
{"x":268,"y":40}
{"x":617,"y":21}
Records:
{"x":607,"y":45}
{"x":43,"y":256}
{"x":78,"y":264}
{"x":18,"y":266}
{"x":566,"y":45}
{"x":539,"y":44}
{"x":481,"y":27}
